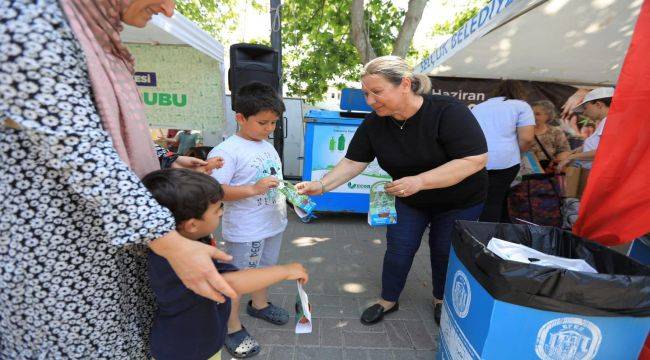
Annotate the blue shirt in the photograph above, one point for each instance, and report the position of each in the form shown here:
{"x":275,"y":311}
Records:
{"x":186,"y":326}
{"x":499,"y":118}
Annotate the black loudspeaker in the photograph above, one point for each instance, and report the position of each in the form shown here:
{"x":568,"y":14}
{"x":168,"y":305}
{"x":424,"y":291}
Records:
{"x":250,"y":63}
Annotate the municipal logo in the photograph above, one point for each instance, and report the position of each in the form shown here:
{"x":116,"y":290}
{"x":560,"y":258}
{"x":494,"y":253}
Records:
{"x":568,"y":338}
{"x":461,"y":294}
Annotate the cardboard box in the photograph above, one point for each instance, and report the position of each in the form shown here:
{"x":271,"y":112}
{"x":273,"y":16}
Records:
{"x":575,"y":181}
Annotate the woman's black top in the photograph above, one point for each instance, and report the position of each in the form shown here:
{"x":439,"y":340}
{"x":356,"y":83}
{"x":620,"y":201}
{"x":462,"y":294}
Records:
{"x":442,"y":130}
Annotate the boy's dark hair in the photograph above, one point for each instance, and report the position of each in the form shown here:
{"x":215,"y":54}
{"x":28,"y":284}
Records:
{"x":256,"y":97}
{"x":606,"y":101}
{"x":186,"y":193}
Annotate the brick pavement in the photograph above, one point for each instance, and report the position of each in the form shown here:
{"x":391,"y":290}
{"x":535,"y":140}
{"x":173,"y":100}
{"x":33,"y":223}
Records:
{"x":344,"y":257}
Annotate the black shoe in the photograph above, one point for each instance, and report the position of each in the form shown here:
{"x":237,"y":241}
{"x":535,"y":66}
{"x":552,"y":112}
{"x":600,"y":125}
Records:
{"x":375,"y":314}
{"x":437,"y":312}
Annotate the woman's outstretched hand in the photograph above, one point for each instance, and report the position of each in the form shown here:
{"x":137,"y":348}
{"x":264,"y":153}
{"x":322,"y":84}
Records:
{"x":310,"y":188}
{"x":192,"y":262}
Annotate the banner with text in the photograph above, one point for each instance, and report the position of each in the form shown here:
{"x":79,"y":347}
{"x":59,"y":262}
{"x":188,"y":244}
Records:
{"x":181,"y":87}
{"x":490,"y":16}
{"x":473,"y":91}
{"x":329,"y":147}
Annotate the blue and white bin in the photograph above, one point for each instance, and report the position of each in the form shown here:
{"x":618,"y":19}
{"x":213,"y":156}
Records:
{"x":499,"y":309}
{"x":640,"y":250}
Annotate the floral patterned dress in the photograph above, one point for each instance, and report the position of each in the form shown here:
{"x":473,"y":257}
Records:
{"x":75,"y":220}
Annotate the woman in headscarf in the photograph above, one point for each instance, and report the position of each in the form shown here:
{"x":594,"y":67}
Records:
{"x":75,"y":217}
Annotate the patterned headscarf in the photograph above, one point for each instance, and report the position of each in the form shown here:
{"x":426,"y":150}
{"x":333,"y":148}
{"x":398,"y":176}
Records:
{"x":97,"y":25}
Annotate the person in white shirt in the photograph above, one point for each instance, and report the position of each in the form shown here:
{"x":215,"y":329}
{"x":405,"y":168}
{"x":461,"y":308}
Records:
{"x":255,"y":214}
{"x":509,"y":128}
{"x":596,"y":107}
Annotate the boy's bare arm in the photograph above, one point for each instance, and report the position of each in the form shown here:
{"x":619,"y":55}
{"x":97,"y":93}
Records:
{"x":251,"y":280}
{"x":233,"y":193}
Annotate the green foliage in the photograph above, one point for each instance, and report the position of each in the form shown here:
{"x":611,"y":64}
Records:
{"x":449,"y":27}
{"x":317,"y":51}
{"x":214,"y":17}
{"x":260,"y":41}
{"x":385,"y":22}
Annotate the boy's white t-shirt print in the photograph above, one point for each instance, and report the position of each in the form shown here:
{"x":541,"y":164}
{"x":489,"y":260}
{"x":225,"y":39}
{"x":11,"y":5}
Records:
{"x":246,"y":162}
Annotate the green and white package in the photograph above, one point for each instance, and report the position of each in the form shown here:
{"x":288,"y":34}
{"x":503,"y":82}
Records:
{"x":302,"y":204}
{"x":382,"y":206}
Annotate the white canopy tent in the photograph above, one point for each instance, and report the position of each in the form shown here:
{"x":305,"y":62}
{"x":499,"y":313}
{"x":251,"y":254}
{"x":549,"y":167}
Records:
{"x":177,"y":30}
{"x":183,"y":63}
{"x":580,"y":42}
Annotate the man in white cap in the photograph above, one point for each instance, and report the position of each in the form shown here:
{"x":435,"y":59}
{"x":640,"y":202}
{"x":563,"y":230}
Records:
{"x":594,"y":106}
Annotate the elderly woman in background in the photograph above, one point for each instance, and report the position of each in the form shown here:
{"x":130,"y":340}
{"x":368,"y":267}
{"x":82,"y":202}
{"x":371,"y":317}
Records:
{"x":537,"y":199}
{"x":551,"y":145}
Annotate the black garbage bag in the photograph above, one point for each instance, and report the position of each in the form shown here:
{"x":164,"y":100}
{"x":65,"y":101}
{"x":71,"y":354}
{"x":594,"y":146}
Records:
{"x":621,"y":287}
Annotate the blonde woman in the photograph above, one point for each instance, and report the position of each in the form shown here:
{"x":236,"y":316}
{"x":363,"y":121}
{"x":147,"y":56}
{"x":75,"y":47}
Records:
{"x":434,"y":150}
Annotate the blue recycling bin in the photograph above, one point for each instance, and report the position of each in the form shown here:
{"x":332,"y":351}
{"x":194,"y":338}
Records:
{"x":327,"y":136}
{"x":499,"y":309}
{"x":640,"y":250}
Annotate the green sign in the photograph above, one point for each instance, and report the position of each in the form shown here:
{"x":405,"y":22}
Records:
{"x":181,"y":87}
{"x":164,"y":99}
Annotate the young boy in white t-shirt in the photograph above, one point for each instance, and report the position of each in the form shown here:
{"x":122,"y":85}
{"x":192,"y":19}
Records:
{"x":255,"y":214}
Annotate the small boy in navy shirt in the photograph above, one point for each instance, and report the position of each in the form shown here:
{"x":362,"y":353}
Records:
{"x":188,"y":326}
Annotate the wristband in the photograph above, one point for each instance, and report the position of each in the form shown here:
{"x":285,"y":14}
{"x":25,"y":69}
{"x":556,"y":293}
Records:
{"x":322,"y":187}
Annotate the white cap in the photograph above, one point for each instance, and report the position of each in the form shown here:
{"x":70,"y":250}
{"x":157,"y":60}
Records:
{"x":595,"y":94}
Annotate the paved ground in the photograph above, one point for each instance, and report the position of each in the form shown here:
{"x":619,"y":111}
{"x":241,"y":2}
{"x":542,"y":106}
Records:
{"x":344,"y":257}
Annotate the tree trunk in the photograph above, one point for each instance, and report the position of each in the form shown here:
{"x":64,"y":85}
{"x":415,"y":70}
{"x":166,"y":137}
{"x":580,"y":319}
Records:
{"x":411,"y":21}
{"x":359,"y":33}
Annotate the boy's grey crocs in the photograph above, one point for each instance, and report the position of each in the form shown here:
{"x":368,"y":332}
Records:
{"x":273,"y":314}
{"x":241,"y":344}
